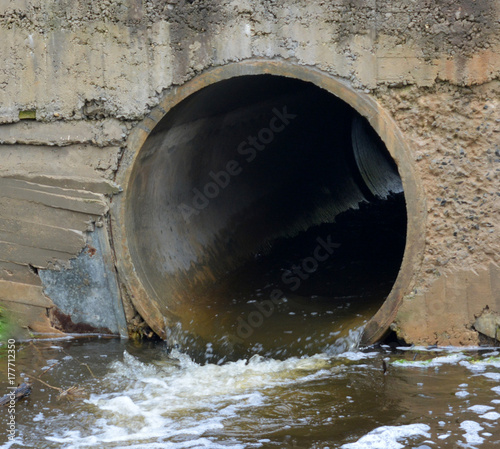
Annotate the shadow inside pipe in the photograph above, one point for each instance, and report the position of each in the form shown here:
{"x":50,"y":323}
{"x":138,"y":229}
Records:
{"x":305,"y":294}
{"x":268,"y":217}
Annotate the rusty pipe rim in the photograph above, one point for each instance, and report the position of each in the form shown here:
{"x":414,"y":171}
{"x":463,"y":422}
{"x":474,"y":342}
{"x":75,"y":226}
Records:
{"x":159,"y":318}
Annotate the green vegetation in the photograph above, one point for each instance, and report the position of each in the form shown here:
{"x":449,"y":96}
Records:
{"x":27,"y":115}
{"x":491,"y":359}
{"x":4,"y":325}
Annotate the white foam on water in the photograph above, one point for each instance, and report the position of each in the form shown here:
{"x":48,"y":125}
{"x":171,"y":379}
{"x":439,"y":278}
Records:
{"x":431,"y":363}
{"x":474,"y":367}
{"x":181,"y":401}
{"x":388,"y":437}
{"x":472,"y":430}
{"x":493,"y":416}
{"x":493,"y":376}
{"x":39,"y":417}
{"x":480,"y":408}
{"x":175,"y":403}
{"x":447,"y":349}
{"x":195,"y":444}
{"x":481,"y":365}
{"x":354,"y":356}
{"x":198,"y":443}
{"x":8,"y":444}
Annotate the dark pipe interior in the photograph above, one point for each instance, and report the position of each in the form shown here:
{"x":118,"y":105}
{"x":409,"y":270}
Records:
{"x":232,"y":194}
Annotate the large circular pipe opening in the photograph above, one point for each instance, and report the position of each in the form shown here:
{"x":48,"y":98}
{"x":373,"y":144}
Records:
{"x":265,"y":214}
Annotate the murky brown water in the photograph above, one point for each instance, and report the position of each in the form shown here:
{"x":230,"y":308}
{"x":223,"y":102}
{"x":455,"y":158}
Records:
{"x":301,"y":295}
{"x":280,"y":372}
{"x":142,"y":396}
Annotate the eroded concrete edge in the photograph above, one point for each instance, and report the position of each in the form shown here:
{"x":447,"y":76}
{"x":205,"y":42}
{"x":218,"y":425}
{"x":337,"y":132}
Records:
{"x":86,"y":294}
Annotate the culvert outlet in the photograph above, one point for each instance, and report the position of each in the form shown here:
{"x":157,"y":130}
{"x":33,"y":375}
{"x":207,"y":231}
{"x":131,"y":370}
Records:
{"x":263,"y":212}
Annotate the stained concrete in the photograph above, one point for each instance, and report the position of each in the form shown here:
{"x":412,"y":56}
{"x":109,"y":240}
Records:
{"x":86,"y":294}
{"x":91,"y":73}
{"x":488,"y":323}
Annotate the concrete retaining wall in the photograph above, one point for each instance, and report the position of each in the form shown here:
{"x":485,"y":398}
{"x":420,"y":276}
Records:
{"x":77,"y":77}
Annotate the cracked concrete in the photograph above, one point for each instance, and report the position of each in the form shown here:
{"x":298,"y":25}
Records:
{"x":92,"y":70}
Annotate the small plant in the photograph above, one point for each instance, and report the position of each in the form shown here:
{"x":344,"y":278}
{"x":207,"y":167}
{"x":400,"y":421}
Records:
{"x":491,"y":359}
{"x":4,"y":325}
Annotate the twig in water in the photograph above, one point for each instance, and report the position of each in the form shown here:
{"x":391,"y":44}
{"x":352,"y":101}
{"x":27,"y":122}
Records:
{"x":70,"y":394}
{"x":49,"y":368}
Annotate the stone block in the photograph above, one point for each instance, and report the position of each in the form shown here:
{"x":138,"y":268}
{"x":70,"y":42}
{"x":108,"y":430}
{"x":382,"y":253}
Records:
{"x":489,"y":324}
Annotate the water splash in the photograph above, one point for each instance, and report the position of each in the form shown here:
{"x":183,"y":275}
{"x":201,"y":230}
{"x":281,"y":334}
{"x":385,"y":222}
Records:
{"x":350,"y":343}
{"x":177,"y":398}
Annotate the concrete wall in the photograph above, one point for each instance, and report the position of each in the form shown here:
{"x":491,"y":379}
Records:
{"x":90,"y":71}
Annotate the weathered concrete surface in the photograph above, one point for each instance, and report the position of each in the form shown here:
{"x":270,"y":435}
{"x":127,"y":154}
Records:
{"x":92,"y":69}
{"x":86,"y":294}
{"x":446,"y":312}
{"x":488,"y":323}
{"x":455,"y":135}
{"x":26,"y":305}
{"x":100,"y":133}
{"x":92,"y":59}
{"x":55,"y":183}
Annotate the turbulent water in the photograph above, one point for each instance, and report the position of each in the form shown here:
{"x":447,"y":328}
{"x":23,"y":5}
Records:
{"x":143,"y":396}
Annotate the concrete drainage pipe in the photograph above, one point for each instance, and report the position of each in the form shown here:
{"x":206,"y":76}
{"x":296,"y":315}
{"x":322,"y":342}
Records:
{"x":262,"y":193}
